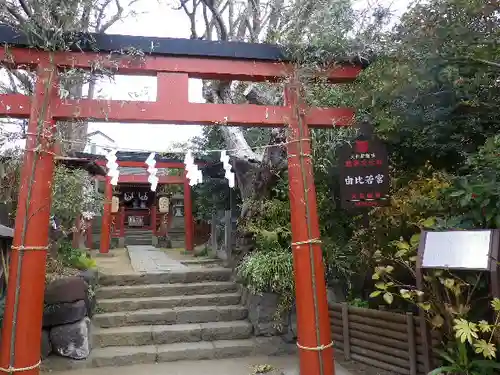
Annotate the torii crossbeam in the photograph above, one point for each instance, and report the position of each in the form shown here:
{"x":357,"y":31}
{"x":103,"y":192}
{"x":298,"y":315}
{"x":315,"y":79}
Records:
{"x":173,"y":62}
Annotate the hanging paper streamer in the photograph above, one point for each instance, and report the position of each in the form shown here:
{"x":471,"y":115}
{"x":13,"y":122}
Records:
{"x":112,"y":166}
{"x":224,"y":158}
{"x":153,"y":178}
{"x":194,"y":175}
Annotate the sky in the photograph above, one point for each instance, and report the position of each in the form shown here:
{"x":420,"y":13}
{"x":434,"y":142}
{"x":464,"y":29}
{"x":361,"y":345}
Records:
{"x":155,"y":18}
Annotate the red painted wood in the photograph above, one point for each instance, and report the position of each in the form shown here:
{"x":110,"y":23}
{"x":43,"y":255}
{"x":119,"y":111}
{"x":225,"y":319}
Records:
{"x":15,"y":105}
{"x":143,"y":179}
{"x":31,"y":230}
{"x":106,"y":218}
{"x":312,"y":322}
{"x":142,"y":164}
{"x":203,"y":68}
{"x":177,"y":112}
{"x":195,"y":113}
{"x":188,"y":216}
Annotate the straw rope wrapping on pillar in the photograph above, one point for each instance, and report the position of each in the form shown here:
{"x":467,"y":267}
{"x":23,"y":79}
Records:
{"x":302,"y":136}
{"x":44,"y":142}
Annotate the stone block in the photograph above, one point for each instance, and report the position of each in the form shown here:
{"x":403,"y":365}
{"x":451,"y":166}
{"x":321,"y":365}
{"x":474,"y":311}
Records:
{"x":186,"y":351}
{"x":64,"y":313}
{"x":72,"y":340}
{"x":176,"y":333}
{"x":124,"y":336}
{"x":66,"y":290}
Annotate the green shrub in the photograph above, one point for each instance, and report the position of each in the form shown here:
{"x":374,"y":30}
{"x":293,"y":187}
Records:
{"x":270,"y":271}
{"x":75,"y":258}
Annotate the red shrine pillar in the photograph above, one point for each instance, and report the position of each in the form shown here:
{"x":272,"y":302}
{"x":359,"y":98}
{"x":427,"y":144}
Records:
{"x":314,"y":335}
{"x":22,"y":321}
{"x":121,"y":239}
{"x":188,"y":216}
{"x":106,"y":218}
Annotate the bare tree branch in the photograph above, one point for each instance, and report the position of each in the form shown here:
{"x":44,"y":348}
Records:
{"x":116,"y":17}
{"x":221,"y":26}
{"x":26,"y":8}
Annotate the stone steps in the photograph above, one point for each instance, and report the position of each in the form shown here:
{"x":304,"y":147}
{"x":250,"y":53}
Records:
{"x":166,"y":290}
{"x":175,"y":276}
{"x":183,"y":314}
{"x":170,"y":334}
{"x":138,"y":241}
{"x":177,"y":315}
{"x":133,"y":304}
{"x":114,"y":356}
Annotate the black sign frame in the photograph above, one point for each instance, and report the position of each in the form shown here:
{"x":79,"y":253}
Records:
{"x":364,"y":174}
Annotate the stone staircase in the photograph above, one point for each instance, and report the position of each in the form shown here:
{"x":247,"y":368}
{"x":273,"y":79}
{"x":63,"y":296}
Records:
{"x":138,"y":237}
{"x":164,"y":317}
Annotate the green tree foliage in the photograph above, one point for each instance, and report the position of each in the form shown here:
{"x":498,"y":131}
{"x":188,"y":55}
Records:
{"x":434,"y":94}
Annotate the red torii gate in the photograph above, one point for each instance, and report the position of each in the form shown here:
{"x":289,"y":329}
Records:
{"x":173,"y":62}
{"x":108,"y":195}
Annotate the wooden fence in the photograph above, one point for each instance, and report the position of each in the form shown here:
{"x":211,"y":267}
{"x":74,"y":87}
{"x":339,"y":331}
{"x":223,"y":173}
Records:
{"x":386,"y":340}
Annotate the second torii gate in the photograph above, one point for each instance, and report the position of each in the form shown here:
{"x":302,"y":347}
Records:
{"x":173,"y":62}
{"x":181,"y":180}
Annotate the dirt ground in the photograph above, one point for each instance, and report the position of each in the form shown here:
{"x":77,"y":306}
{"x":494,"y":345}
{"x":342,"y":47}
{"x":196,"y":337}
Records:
{"x":356,"y":368}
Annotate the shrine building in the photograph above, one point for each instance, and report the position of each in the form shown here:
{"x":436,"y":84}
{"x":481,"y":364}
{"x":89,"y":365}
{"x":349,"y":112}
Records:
{"x":140,"y":216}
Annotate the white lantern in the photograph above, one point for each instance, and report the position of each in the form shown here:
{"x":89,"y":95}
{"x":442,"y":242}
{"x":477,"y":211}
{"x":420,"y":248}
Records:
{"x":164,"y":205}
{"x":115,"y":204}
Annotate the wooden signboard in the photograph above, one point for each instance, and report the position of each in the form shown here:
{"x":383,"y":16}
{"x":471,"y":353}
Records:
{"x":364,"y":174}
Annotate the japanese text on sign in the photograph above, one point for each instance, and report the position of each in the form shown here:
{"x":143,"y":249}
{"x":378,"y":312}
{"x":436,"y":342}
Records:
{"x":361,"y":180}
{"x":363,"y":163}
{"x":364,"y":172}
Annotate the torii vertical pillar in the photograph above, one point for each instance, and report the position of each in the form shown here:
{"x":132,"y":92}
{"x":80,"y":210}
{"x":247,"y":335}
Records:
{"x":188,"y":216}
{"x":106,"y":218}
{"x":314,"y":336}
{"x":22,"y":321}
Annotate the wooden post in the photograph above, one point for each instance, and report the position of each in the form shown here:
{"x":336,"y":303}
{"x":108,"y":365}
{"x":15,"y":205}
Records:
{"x":228,"y":230}
{"x":188,"y":216}
{"x":22,"y":321}
{"x":106,"y":218}
{"x":412,"y":344}
{"x":345,"y":331}
{"x":313,"y":321}
{"x":213,"y":230}
{"x":424,"y":329}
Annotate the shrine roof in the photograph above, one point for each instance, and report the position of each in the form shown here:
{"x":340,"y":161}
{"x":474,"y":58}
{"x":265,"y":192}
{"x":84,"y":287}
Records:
{"x":133,"y":171}
{"x":90,"y":42}
{"x":176,"y":47}
{"x":81,"y":163}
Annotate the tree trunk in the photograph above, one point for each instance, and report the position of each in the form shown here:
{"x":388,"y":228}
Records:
{"x":256,"y":172}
